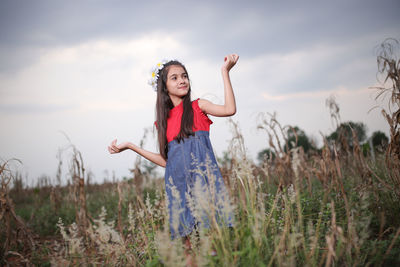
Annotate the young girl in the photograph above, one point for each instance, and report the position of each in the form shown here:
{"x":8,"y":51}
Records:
{"x":184,"y":145}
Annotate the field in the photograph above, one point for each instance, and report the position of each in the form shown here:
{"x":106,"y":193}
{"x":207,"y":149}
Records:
{"x":338,"y":205}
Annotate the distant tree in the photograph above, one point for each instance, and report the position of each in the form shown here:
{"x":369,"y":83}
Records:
{"x":379,"y":139}
{"x":225,"y":160}
{"x":265,"y":154}
{"x":302,"y":139}
{"x":148,"y":169}
{"x":343,"y":135}
{"x":296,"y":137}
{"x":379,"y":142}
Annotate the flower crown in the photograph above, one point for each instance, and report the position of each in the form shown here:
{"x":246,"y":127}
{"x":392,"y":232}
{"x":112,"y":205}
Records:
{"x":155,"y":73}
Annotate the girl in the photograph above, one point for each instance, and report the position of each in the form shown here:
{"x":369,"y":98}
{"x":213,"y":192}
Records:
{"x":185,"y":149}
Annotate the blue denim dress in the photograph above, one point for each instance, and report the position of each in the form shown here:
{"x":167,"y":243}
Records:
{"x":196,"y":194}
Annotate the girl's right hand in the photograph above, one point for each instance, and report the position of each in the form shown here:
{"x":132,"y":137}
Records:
{"x":114,"y":148}
{"x":230,"y":61}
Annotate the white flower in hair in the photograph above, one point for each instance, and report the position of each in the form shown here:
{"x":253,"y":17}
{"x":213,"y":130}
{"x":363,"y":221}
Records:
{"x":155,"y":74}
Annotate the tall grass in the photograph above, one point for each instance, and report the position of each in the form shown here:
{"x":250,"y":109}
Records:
{"x":328,"y":208}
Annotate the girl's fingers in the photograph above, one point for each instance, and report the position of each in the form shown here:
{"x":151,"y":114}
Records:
{"x":232,"y":58}
{"x":227,"y":60}
{"x":235,"y":57}
{"x":113,"y":149}
{"x":230,"y":61}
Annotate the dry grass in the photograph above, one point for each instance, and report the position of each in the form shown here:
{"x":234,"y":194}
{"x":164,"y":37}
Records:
{"x":296,"y":209}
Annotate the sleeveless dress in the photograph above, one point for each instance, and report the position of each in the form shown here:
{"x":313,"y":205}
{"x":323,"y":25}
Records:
{"x":196,"y":194}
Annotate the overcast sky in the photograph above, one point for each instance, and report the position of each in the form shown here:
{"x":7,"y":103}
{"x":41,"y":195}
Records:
{"x":81,"y":68}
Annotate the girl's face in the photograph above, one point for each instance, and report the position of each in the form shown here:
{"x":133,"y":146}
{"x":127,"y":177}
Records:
{"x":177,"y":82}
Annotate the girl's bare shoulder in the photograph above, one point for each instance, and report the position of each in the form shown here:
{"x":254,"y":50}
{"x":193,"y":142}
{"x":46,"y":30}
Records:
{"x":203,"y":104}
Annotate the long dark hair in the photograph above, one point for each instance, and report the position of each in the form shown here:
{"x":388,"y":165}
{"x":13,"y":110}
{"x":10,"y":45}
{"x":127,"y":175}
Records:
{"x":164,"y":105}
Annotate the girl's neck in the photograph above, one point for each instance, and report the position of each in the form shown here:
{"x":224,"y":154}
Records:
{"x":175,"y":100}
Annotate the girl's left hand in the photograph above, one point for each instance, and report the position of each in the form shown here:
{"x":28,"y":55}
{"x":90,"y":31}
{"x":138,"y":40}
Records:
{"x":114,"y":148}
{"x":230,"y":61}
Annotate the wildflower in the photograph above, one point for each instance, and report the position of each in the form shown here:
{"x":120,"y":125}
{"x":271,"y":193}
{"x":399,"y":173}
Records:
{"x":154,"y":74}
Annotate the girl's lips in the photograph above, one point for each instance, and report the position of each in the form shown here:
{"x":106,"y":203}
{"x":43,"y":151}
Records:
{"x":182,"y":87}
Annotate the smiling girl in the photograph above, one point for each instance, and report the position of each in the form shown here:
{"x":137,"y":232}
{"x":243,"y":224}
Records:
{"x":185,"y":149}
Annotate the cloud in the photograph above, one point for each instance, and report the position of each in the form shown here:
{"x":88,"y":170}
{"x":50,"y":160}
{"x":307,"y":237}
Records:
{"x":96,"y":75}
{"x":308,"y":72}
{"x":29,"y":108}
{"x":215,"y":28}
{"x":323,"y":94}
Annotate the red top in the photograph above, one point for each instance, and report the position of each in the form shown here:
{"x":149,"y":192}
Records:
{"x":201,"y":122}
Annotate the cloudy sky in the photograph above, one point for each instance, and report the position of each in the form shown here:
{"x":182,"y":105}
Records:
{"x":80,"y":68}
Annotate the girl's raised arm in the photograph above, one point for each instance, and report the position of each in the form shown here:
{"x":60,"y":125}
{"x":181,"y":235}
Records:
{"x":153,"y":157}
{"x":229,"y":107}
